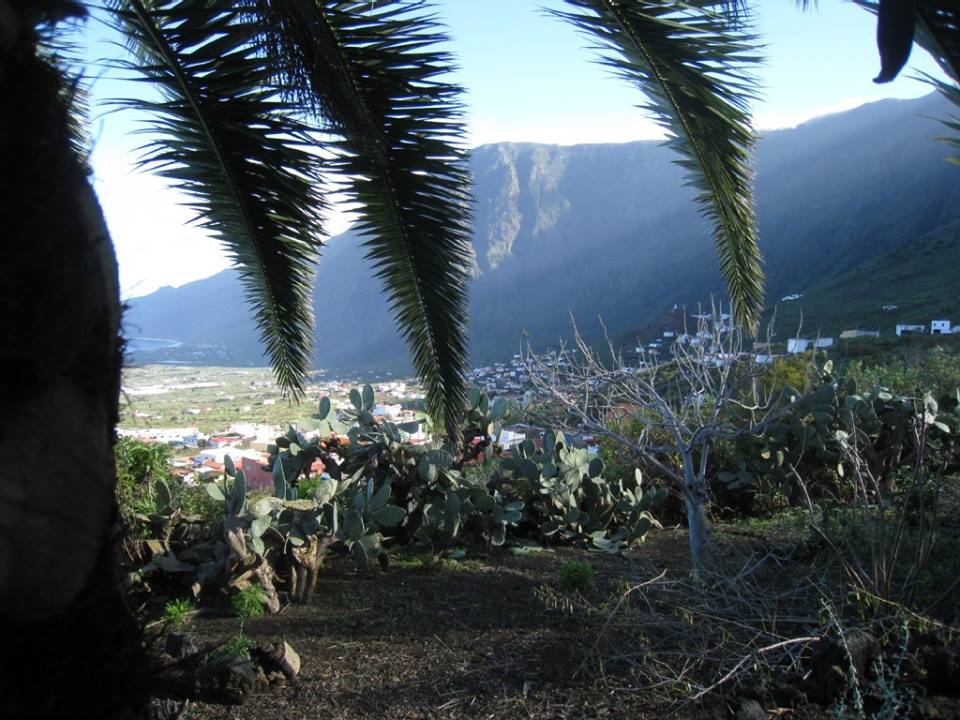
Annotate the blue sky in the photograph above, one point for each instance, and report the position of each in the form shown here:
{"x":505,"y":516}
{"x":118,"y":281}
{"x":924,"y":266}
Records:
{"x":528,"y":77}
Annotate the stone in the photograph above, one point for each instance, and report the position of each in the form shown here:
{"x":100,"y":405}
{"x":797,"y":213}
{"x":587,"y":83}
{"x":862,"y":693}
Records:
{"x":228,"y":682}
{"x":180,"y":646}
{"x":832,"y":661}
{"x":289,"y":661}
{"x":751,"y":710}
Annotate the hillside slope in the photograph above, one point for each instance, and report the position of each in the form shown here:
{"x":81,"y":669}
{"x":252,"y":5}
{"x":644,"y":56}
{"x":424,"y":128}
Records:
{"x":611,"y":230}
{"x":921,"y":280}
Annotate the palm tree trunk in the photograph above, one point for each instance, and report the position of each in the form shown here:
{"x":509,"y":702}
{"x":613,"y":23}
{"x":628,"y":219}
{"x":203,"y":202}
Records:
{"x":71,"y":647}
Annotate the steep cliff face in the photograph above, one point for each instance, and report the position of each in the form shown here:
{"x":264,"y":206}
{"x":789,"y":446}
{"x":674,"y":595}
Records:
{"x":611,"y":230}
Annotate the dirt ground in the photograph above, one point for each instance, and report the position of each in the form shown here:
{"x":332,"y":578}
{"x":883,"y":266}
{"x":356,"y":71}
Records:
{"x":493,"y":636}
{"x":482,"y":637}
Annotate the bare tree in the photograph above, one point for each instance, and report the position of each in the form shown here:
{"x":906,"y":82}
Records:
{"x":708,"y":389}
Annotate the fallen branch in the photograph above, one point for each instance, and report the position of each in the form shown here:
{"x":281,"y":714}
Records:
{"x":744,"y":660}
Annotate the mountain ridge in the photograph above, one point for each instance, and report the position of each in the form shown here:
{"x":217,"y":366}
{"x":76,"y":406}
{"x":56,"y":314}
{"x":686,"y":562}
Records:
{"x":611,"y":229}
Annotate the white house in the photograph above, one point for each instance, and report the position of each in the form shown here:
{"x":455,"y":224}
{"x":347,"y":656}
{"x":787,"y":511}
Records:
{"x":511,"y":438}
{"x":257,"y":432}
{"x":940,"y":327}
{"x":797,"y":345}
{"x":821,"y":343}
{"x":387,"y":411}
{"x":903,"y":329}
{"x":419,"y":437}
{"x":217,"y":455}
{"x":185,"y":437}
{"x":854,"y":334}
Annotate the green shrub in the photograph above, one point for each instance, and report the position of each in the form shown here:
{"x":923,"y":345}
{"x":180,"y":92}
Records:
{"x":239,"y":644}
{"x":577,"y":575}
{"x":249,"y":602}
{"x":912,"y":371}
{"x":139,"y":466}
{"x":195,"y":503}
{"x":177,"y":612}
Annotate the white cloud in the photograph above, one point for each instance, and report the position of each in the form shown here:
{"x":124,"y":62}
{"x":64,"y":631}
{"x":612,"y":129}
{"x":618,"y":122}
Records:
{"x":154,"y":241}
{"x":154,"y":238}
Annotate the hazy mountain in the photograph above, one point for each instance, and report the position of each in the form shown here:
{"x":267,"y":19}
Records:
{"x":612,"y":230}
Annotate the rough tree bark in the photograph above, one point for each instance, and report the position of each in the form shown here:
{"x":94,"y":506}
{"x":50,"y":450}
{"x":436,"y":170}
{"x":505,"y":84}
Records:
{"x":71,"y":647}
{"x":695,"y":498}
{"x":305,"y":564}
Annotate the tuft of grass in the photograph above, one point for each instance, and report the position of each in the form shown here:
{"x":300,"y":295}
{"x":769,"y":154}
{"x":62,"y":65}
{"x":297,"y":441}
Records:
{"x":249,"y":602}
{"x":177,"y":612}
{"x":239,"y":644}
{"x":577,"y":575}
{"x":429,"y":562}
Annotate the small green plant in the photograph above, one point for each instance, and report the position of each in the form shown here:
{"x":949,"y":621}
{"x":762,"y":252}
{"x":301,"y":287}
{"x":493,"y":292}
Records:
{"x":577,"y":575}
{"x":176,"y":613}
{"x":249,"y":603}
{"x":239,"y":644}
{"x":308,"y":486}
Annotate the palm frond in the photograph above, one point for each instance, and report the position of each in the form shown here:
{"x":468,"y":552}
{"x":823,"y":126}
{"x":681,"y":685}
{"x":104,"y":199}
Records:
{"x":952,"y":93}
{"x":938,"y":31}
{"x":228,"y":139}
{"x":373,"y":73}
{"x":935,"y":26}
{"x":692,"y":61}
{"x":932,"y":24}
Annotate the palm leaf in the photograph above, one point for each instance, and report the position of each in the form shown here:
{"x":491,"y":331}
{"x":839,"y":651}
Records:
{"x":692,"y":61}
{"x":952,"y":93}
{"x":228,"y":139}
{"x":939,"y":33}
{"x":372,"y":73}
{"x":932,"y":24}
{"x":935,"y":26}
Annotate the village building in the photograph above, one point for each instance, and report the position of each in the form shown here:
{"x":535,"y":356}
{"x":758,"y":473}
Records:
{"x":940,"y":327}
{"x":218,"y":454}
{"x":904,"y":329}
{"x":797,"y":345}
{"x":511,"y":438}
{"x":390,"y":412}
{"x":854,"y":334}
{"x":190,"y":437}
